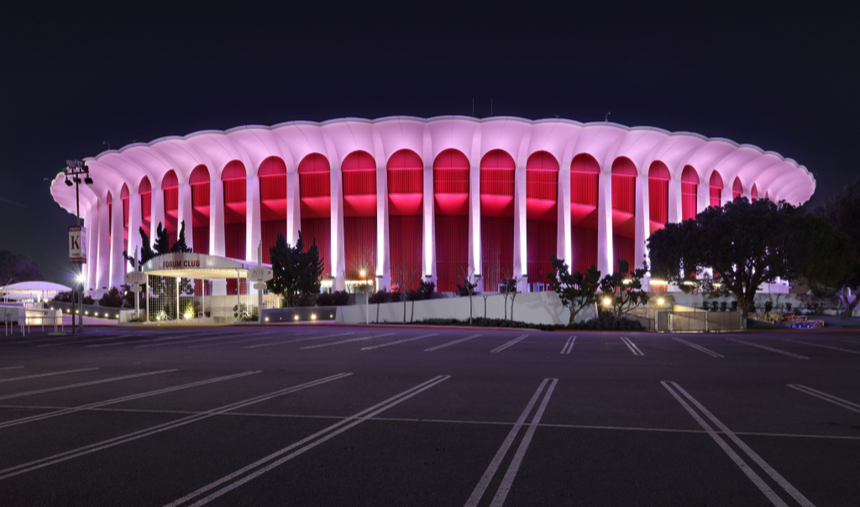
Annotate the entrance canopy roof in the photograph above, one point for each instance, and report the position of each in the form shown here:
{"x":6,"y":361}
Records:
{"x":195,"y":265}
{"x":23,"y":290}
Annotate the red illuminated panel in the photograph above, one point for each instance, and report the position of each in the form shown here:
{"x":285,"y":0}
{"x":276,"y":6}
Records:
{"x":235,"y":197}
{"x":200,"y":182}
{"x":451,"y":196}
{"x":273,"y":203}
{"x":497,"y":218}
{"x":542,"y":214}
{"x":658,"y":195}
{"x":405,"y":173}
{"x":315,"y":195}
{"x":359,"y":212}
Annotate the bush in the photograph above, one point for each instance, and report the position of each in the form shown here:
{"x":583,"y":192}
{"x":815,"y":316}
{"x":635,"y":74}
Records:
{"x":325,"y":299}
{"x":380,"y":296}
{"x":66,"y":297}
{"x":111,"y":299}
{"x":340,"y":298}
{"x":604,"y":322}
{"x":768,"y":306}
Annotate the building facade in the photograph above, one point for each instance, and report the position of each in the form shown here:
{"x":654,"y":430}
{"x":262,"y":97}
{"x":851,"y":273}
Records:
{"x":399,"y":199}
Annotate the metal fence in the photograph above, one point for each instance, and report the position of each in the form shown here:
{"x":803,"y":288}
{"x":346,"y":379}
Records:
{"x":698,"y":322}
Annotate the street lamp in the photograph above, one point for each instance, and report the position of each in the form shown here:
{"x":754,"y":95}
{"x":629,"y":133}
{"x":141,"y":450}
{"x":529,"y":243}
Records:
{"x":75,"y":169}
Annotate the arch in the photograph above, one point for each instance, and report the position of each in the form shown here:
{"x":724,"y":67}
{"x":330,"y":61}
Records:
{"x":405,"y":175}
{"x":689,"y":192}
{"x":451,"y":209}
{"x":754,"y":192}
{"x":541,"y":214}
{"x":584,"y":173}
{"x":200,"y":182}
{"x":498,"y":174}
{"x":109,"y":203}
{"x":233,"y":179}
{"x":170,"y":188}
{"x":716,"y":189}
{"x":737,"y":188}
{"x":124,"y":196}
{"x":273,"y":203}
{"x":359,"y":215}
{"x":624,"y":211}
{"x":315,"y":203}
{"x":145,"y":192}
{"x":658,"y":195}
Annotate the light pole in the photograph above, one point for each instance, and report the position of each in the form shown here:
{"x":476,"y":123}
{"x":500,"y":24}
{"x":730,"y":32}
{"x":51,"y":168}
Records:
{"x":75,"y":169}
{"x":366,"y":298}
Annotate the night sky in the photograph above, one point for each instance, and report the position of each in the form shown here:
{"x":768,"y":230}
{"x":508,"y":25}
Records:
{"x":778,"y":76}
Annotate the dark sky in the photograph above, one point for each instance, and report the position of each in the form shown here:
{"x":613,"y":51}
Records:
{"x":780,"y":76}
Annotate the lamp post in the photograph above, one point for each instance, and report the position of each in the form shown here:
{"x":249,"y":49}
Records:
{"x":363,"y":274}
{"x":75,"y":169}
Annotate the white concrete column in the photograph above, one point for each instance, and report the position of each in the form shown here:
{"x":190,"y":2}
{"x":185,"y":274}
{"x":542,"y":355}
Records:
{"x":91,"y":223}
{"x":156,"y":213}
{"x":134,"y":222}
{"x":475,"y":224}
{"x":564,"y":247}
{"x":643,"y":221}
{"x":726,"y":195}
{"x":117,"y":263}
{"x":383,"y":251}
{"x":675,"y":201}
{"x":294,"y":201}
{"x":184,"y":210}
{"x":703,"y":197}
{"x":604,"y":223}
{"x":216,"y":218}
{"x":338,"y":258}
{"x":748,"y":193}
{"x":520,"y":229}
{"x":252,"y":217}
{"x":103,"y":242}
{"x":428,"y":252}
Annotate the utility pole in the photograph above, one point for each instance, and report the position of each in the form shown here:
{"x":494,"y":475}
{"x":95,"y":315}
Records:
{"x":76,"y":168}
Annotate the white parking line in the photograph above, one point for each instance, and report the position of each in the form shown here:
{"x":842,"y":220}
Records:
{"x":568,"y":346}
{"x":826,"y":397}
{"x":763,"y":347}
{"x":150,"y":340}
{"x":698,"y":347}
{"x":98,"y":404}
{"x":672,"y":387}
{"x":266,"y":464}
{"x":65,"y":341}
{"x":455,"y":342}
{"x":11,"y":368}
{"x":13,"y":379}
{"x":321,"y":345}
{"x":129,"y":437}
{"x":399,"y":341}
{"x":82,"y":384}
{"x":246,"y":340}
{"x":840,"y":349}
{"x":195,"y":340}
{"x":270,"y":344}
{"x":632,"y":346}
{"x":485,"y":479}
{"x":509,"y":344}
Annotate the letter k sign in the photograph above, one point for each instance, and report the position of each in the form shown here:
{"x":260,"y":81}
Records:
{"x":76,"y":245}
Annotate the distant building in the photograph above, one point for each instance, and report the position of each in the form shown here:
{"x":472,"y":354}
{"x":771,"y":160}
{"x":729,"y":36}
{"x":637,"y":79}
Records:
{"x":442,"y":196}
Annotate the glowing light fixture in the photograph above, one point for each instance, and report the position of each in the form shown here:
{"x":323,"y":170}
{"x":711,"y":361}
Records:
{"x":313,"y":316}
{"x":660,"y":301}
{"x":607,"y":301}
{"x":295,"y":317}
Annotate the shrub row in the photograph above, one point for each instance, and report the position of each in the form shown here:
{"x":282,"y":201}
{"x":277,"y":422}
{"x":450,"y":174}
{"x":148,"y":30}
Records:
{"x":605,"y":322}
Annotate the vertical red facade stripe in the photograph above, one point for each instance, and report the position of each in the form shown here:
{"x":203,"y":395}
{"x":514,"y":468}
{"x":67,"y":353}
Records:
{"x":715,"y":187}
{"x":623,"y":211}
{"x":405,"y":173}
{"x":658,"y":196}
{"x":200,"y":182}
{"x":497,"y":218}
{"x":584,"y":172}
{"x":170,"y":187}
{"x":359,"y":215}
{"x":235,"y":207}
{"x":451,"y":209}
{"x":315,"y":197}
{"x":542,"y":215}
{"x":145,"y":191}
{"x":273,"y":203}
{"x":124,"y":196}
{"x":737,"y":188}
{"x":689,"y":192}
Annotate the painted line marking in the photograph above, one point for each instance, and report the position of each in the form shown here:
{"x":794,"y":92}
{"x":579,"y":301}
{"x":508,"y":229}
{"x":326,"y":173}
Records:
{"x":568,"y":346}
{"x":826,"y":397}
{"x":270,"y":344}
{"x":185,"y":342}
{"x":30,"y":341}
{"x":400,"y":341}
{"x":151,"y":340}
{"x":82,"y":384}
{"x":764,"y":347}
{"x":674,"y":389}
{"x":698,"y":347}
{"x":493,"y":467}
{"x":246,"y":340}
{"x":321,"y":345}
{"x":46,"y":374}
{"x":11,"y":368}
{"x":455,"y":342}
{"x":274,"y":460}
{"x":509,"y":344}
{"x":831,"y":347}
{"x":65,"y":341}
{"x":632,"y":346}
{"x":105,"y":444}
{"x":131,"y":397}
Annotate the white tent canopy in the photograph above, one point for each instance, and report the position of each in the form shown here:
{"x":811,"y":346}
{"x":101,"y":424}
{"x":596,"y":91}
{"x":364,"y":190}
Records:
{"x":32,"y":290}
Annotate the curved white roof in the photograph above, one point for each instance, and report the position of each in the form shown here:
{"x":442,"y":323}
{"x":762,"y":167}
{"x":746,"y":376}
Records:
{"x":34,"y":287}
{"x":779,"y":177}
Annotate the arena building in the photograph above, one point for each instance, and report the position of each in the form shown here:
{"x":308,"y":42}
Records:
{"x":436,"y":198}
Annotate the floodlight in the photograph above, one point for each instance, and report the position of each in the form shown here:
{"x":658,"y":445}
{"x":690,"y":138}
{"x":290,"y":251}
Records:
{"x":88,"y":180}
{"x":660,"y":301}
{"x":607,"y":301}
{"x":68,"y":182}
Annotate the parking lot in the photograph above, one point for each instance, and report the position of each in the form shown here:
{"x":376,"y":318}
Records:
{"x":338,"y":415}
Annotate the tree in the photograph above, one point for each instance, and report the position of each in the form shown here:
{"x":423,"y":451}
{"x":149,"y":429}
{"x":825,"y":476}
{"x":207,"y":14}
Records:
{"x":508,"y":288}
{"x":842,"y":212}
{"x":179,"y":246}
{"x":111,"y":298}
{"x":623,"y":289}
{"x":576,"y":290}
{"x":295,"y":272}
{"x":748,"y":243}
{"x":18,"y":268}
{"x":403,"y":276}
{"x":468,"y":288}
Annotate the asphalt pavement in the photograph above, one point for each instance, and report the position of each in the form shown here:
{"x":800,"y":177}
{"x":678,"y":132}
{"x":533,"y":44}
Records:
{"x":322,"y":415}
